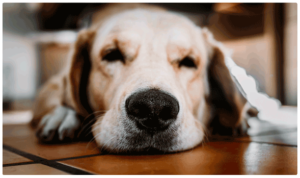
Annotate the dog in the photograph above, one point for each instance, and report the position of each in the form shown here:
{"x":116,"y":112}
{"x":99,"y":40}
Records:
{"x":152,"y":80}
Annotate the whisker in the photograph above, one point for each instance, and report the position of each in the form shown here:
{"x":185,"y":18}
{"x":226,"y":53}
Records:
{"x":104,"y":145}
{"x":94,"y":137}
{"x":90,"y":142}
{"x":85,"y":127}
{"x":91,"y":125}
{"x":87,"y":124}
{"x":96,"y":126}
{"x":91,"y":130}
{"x":102,"y":111}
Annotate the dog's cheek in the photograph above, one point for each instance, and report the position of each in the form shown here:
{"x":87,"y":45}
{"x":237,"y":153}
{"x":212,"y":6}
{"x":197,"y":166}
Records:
{"x":106,"y":131}
{"x":97,"y":90}
{"x":113,"y":69}
{"x":196,"y":94}
{"x":185,"y":76}
{"x":190,"y":133}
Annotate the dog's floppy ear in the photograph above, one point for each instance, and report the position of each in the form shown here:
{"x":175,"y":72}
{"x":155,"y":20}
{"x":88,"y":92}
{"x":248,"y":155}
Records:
{"x":225,"y":100}
{"x":78,"y":72}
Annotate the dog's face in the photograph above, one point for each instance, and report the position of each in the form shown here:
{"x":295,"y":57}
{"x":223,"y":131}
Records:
{"x":149,"y":72}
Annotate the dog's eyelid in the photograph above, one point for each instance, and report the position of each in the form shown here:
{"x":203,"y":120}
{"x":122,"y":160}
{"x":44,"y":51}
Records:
{"x":112,"y":55}
{"x":106,"y":51}
{"x":189,"y":62}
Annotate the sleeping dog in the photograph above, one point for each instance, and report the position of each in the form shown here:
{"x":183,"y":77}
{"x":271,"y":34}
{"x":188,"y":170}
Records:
{"x":151,"y":79}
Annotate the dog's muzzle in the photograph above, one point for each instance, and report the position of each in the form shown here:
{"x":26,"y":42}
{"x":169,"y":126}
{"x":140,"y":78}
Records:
{"x":152,"y":109}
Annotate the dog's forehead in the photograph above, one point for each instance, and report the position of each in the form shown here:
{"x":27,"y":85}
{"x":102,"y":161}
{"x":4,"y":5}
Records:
{"x":143,"y":21}
{"x":136,"y":25}
{"x":142,"y":18}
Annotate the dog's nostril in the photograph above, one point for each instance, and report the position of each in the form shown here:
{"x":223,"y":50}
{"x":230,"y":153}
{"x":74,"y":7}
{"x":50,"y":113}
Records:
{"x":139,"y":110}
{"x":152,"y":109}
{"x":167,"y":112}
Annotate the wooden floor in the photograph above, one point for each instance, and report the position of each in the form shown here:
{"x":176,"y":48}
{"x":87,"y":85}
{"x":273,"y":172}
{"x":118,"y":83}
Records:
{"x":271,"y":149}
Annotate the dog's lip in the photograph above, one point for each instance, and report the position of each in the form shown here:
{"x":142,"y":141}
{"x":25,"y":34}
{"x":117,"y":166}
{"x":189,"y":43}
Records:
{"x":151,"y":130}
{"x":144,"y":151}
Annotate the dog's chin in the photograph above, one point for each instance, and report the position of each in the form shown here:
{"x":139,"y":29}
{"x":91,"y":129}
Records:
{"x":141,"y":149}
{"x":142,"y":142}
{"x":144,"y":151}
{"x":118,"y":135}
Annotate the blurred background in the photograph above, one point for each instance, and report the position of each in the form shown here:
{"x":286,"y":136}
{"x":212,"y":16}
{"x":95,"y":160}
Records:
{"x":37,"y":38}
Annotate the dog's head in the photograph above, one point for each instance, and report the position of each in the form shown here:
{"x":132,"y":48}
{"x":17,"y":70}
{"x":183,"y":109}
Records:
{"x":160,"y":79}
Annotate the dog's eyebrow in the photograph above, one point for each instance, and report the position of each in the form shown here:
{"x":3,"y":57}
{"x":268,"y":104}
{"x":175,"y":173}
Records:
{"x":127,"y":43}
{"x":177,"y":52}
{"x":178,"y":45}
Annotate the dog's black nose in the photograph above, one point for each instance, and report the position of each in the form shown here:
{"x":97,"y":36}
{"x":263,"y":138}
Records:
{"x":152,"y":109}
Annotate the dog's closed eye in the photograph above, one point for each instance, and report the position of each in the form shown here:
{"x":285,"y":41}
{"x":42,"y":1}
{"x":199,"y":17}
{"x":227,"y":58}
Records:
{"x":114,"y":55}
{"x":187,"y":62}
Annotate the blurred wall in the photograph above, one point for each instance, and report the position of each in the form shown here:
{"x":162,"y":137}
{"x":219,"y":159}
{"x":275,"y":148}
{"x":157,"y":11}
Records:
{"x":19,"y":67}
{"x":19,"y":53}
{"x":290,"y":55}
{"x":243,"y":29}
{"x":252,"y":32}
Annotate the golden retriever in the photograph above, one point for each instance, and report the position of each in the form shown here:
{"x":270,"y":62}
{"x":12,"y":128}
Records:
{"x":159,"y":82}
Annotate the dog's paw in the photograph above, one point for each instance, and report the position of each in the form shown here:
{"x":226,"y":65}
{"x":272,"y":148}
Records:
{"x":242,"y":129}
{"x":217,"y":130}
{"x":59,"y":125}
